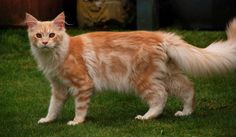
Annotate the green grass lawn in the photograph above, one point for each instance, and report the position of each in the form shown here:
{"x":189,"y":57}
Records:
{"x":24,"y":98}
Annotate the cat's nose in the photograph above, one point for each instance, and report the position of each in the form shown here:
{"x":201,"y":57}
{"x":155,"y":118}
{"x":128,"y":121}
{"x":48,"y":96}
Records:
{"x":45,"y":42}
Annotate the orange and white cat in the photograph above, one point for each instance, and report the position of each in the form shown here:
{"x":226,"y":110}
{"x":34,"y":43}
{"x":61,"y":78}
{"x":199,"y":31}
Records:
{"x":150,"y":63}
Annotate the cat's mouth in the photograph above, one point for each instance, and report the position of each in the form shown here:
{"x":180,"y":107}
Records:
{"x":46,"y":47}
{"x":43,"y":47}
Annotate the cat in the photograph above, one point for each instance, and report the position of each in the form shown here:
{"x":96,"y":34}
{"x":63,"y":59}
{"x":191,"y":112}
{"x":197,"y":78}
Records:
{"x":153,"y":64}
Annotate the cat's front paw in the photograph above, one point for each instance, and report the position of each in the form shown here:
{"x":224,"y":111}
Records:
{"x":140,"y":117}
{"x":75,"y":121}
{"x":181,"y":113}
{"x":44,"y":120}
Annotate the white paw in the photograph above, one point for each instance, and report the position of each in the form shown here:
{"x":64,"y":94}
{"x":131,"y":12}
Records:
{"x":75,"y":122}
{"x":44,"y":120}
{"x":140,"y":117}
{"x":72,"y":123}
{"x":181,"y":113}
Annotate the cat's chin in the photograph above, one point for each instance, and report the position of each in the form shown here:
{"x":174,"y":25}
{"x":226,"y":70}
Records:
{"x":45,"y":48}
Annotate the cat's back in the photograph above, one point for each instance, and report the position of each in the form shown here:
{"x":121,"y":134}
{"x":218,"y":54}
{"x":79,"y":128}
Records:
{"x":122,"y":38}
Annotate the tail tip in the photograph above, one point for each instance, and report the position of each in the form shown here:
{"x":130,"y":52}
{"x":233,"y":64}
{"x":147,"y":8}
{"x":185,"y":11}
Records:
{"x":231,"y":29}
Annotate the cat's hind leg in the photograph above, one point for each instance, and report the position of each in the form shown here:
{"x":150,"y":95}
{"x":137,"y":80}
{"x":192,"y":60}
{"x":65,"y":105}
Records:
{"x":153,"y":92}
{"x":180,"y":86}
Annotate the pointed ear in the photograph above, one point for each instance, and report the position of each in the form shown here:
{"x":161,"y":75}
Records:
{"x":59,"y":21}
{"x":30,"y":20}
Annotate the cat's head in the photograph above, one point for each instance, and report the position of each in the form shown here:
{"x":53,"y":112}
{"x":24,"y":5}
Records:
{"x":46,"y":34}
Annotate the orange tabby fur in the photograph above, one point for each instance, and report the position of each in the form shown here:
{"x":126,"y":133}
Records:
{"x":151,"y":63}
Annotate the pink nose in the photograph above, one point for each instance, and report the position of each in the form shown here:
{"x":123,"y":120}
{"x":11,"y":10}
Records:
{"x":45,"y":42}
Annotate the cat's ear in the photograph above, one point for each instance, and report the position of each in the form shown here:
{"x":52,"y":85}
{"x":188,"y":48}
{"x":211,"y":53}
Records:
{"x":30,"y":20}
{"x":59,"y":21}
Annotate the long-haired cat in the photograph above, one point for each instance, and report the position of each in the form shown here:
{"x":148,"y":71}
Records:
{"x":150,"y":63}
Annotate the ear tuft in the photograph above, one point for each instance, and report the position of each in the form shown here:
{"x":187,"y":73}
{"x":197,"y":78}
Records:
{"x":30,"y":20}
{"x":59,"y":21}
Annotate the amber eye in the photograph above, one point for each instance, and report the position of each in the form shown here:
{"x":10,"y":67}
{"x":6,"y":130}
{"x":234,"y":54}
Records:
{"x":38,"y":35}
{"x":51,"y":35}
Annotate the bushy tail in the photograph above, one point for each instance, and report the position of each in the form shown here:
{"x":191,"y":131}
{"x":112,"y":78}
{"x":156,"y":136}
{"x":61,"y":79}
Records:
{"x":218,"y":57}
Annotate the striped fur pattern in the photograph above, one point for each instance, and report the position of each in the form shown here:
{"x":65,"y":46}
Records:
{"x":150,"y":63}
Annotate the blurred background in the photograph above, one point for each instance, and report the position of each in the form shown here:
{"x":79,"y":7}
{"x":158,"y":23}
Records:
{"x":123,"y":14}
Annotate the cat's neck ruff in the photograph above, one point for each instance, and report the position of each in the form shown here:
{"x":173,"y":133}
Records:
{"x":49,"y":60}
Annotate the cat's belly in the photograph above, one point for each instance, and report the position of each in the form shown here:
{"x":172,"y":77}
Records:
{"x":112,"y":81}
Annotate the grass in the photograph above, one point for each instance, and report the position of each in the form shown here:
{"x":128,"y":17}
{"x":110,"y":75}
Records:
{"x":24,"y":98}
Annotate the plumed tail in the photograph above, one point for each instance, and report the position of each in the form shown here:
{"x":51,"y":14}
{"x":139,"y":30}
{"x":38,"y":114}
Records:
{"x":218,"y":57}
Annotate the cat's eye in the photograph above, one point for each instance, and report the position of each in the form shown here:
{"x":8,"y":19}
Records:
{"x":38,"y":35}
{"x":51,"y":35}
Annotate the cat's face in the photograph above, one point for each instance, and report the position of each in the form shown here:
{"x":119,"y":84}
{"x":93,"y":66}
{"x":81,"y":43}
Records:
{"x":45,"y":35}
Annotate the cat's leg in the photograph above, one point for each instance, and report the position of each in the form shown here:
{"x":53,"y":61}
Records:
{"x":58,"y":98}
{"x":154,"y":93}
{"x":82,"y":99}
{"x":182,"y":87}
